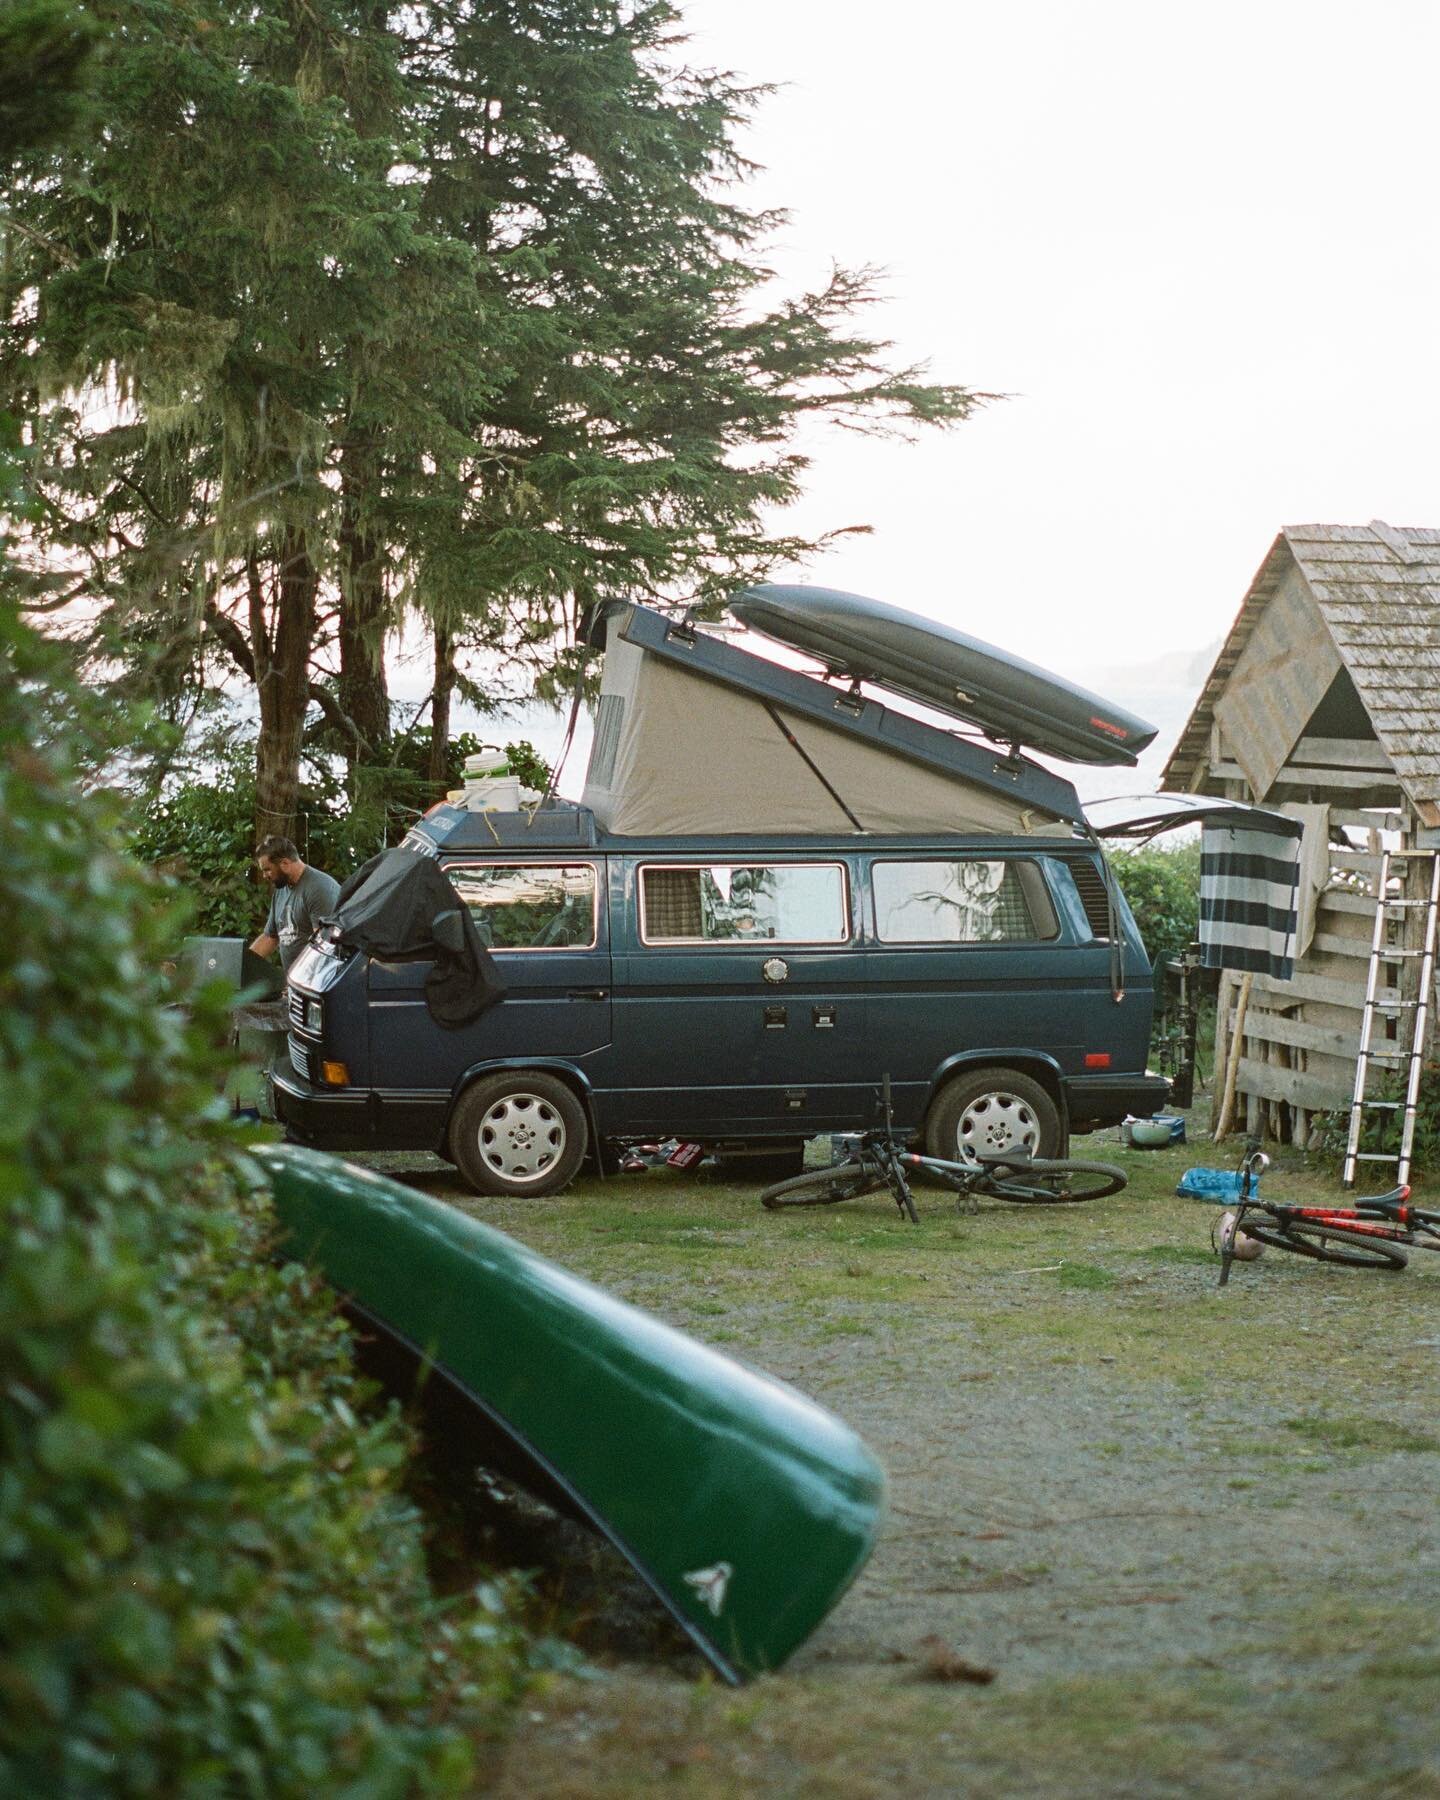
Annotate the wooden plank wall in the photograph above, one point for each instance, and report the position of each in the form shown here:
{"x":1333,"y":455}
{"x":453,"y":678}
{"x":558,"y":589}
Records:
{"x":1301,"y":1037}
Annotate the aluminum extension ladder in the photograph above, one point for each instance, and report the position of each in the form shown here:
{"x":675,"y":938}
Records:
{"x":1411,"y":1058}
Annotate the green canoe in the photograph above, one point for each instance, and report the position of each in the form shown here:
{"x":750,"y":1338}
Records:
{"x":747,"y":1508}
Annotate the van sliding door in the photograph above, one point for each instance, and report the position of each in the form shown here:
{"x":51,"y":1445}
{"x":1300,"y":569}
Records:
{"x":968,"y":955}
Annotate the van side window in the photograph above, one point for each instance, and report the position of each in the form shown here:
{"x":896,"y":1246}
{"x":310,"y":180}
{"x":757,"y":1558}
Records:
{"x":531,"y":906}
{"x":962,"y":900}
{"x":777,"y":903}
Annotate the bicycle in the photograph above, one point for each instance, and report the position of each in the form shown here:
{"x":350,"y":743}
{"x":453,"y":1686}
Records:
{"x":878,"y":1160}
{"x":1377,"y":1231}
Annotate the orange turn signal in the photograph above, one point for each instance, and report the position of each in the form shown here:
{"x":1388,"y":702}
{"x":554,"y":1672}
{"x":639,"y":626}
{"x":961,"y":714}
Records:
{"x":335,"y":1073}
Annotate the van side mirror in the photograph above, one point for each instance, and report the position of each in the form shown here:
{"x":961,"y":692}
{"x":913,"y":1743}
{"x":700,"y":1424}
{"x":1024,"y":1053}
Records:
{"x":448,"y":929}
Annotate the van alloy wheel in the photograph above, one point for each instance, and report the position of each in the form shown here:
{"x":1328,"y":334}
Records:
{"x":521,"y":1133}
{"x":521,"y":1137}
{"x":990,"y":1111}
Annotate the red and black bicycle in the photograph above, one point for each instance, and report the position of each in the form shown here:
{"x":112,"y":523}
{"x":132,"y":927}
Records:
{"x":1376,"y":1232}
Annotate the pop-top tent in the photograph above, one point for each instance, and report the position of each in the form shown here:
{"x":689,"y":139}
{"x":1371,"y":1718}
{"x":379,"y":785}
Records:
{"x":694,"y":736}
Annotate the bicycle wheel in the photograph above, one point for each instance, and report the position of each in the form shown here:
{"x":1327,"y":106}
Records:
{"x":1041,"y":1183}
{"x":823,"y":1187}
{"x":1328,"y":1243}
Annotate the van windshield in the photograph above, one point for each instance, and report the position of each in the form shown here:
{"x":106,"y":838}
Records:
{"x":744,"y":903}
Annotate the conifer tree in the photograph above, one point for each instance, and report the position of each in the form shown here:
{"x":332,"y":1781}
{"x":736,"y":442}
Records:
{"x":345,"y":310}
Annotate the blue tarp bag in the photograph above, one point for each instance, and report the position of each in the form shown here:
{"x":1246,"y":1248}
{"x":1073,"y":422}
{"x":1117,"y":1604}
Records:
{"x":1215,"y":1184}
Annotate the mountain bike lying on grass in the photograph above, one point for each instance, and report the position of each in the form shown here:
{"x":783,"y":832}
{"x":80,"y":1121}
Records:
{"x":878,"y":1159}
{"x":1376,"y":1232}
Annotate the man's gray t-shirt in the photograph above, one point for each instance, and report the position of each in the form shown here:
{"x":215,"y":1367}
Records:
{"x":295,"y":911}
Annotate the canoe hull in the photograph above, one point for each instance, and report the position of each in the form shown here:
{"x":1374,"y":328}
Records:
{"x":745,"y":1507}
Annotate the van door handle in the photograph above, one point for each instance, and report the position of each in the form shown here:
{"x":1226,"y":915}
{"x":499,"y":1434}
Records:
{"x":588,"y":994}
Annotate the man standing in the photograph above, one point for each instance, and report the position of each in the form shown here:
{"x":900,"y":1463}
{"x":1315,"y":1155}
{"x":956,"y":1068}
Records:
{"x":300,"y":898}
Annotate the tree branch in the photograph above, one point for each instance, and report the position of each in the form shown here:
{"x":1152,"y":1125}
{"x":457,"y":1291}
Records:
{"x":58,"y":251}
{"x":336,"y":715}
{"x":231,"y":637}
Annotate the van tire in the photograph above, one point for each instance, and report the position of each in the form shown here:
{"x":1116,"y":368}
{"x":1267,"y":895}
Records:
{"x":992,"y":1109}
{"x":519,"y":1132}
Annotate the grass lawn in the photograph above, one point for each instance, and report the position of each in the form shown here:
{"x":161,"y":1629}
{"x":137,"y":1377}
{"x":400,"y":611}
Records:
{"x":1193,"y":1532}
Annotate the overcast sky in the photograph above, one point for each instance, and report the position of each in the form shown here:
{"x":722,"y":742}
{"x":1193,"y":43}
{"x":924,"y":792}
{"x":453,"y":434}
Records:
{"x":1197,"y":247}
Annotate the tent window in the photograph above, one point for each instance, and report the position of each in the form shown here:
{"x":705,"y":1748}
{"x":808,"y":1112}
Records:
{"x":533,"y":906}
{"x":785,"y":903}
{"x":609,"y":717}
{"x":962,"y":901}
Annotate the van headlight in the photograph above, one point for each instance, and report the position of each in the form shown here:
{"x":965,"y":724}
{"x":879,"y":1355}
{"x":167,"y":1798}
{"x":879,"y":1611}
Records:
{"x":314,"y":1016}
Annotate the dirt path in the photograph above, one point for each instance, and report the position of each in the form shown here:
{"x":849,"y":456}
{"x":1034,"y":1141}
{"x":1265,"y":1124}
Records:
{"x":1193,"y":1532}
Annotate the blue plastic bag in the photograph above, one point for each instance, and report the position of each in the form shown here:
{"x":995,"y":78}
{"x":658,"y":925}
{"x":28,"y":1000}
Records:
{"x":1213,"y":1184}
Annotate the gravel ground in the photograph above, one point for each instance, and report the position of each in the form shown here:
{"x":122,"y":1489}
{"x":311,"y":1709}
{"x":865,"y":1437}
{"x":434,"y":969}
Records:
{"x":1191,"y":1531}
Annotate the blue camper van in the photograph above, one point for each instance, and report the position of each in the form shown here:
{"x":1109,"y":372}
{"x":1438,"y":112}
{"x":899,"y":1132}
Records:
{"x":775,"y":891}
{"x":746,"y":995}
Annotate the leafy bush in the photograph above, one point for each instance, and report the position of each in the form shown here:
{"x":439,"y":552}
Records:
{"x":201,"y":831}
{"x":209,"y":1581}
{"x":1162,"y":886}
{"x":1380,"y":1131}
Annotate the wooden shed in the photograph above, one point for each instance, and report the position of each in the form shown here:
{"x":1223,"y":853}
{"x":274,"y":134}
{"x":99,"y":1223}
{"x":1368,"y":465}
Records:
{"x":1325,"y":702}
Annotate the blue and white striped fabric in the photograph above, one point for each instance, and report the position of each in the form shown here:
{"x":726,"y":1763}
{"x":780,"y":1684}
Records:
{"x":1248,"y":882}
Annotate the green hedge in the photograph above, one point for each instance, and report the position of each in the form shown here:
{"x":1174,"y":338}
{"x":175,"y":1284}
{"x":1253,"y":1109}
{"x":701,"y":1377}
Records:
{"x":1162,"y":885}
{"x":210,"y":1582}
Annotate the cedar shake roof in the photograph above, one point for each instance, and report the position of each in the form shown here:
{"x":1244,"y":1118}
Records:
{"x":1377,"y":589}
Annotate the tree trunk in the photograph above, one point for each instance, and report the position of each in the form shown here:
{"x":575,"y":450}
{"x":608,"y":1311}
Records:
{"x":364,"y":693}
{"x":440,"y":696}
{"x":282,"y":680}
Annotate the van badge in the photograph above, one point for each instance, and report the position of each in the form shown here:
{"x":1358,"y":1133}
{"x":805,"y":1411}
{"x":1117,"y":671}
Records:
{"x":775,"y":968}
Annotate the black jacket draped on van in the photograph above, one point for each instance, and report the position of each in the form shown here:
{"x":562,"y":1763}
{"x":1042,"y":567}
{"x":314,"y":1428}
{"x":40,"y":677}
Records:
{"x":399,"y":907}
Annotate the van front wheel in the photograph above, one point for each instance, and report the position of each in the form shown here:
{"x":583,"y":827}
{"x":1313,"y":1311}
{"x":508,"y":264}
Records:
{"x":518,"y":1133}
{"x":989,"y":1111}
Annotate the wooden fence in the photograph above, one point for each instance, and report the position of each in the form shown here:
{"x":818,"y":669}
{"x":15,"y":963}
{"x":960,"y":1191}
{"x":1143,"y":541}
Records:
{"x":1297,"y":1040}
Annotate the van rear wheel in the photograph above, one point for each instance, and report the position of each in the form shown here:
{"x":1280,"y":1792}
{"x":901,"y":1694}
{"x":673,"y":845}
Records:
{"x":988,"y":1111}
{"x":519,"y":1132}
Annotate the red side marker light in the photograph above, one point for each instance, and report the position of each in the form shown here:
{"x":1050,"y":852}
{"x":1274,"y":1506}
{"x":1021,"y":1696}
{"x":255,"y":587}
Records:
{"x":1097,"y":1059}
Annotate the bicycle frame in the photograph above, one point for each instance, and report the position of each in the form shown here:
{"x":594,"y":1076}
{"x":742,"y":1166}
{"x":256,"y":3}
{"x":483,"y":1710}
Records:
{"x":1380,"y":1218}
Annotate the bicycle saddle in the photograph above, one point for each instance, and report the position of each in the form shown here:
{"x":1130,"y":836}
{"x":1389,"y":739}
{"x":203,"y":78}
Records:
{"x":1390,"y":1202}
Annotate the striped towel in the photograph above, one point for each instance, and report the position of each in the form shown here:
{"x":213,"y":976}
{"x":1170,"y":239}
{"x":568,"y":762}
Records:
{"x":1248,"y":881}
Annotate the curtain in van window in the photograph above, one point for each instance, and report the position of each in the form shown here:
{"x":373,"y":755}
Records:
{"x":672,"y":903}
{"x":1248,"y":882}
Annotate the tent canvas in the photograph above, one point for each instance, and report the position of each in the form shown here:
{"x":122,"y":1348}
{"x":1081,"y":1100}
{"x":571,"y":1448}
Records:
{"x":696,"y":737}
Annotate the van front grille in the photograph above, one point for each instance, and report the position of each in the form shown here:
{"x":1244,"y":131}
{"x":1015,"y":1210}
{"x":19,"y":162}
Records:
{"x":1091,"y":887}
{"x":299,"y":1060}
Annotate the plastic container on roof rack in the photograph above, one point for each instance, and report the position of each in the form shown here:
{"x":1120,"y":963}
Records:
{"x":1010,"y":700}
